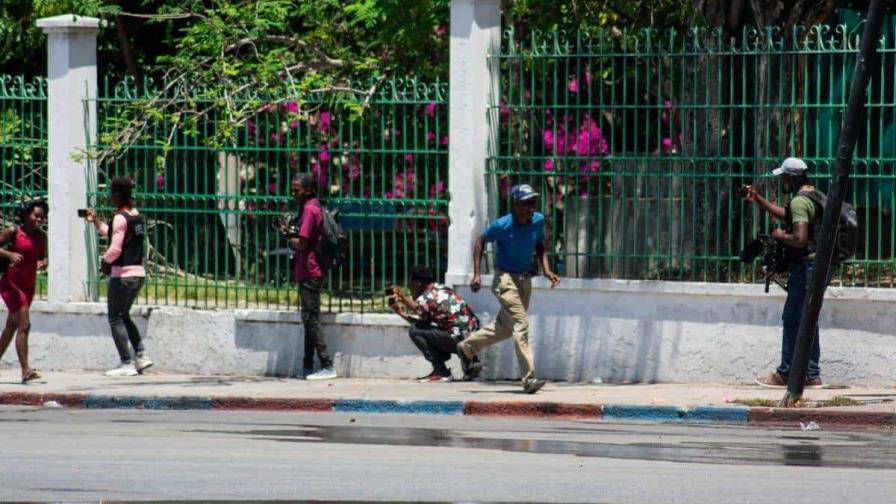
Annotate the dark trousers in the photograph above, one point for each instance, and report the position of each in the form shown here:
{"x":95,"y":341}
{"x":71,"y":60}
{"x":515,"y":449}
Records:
{"x":314,"y":338}
{"x":121,"y":296}
{"x":435,"y":344}
{"x":797,"y":289}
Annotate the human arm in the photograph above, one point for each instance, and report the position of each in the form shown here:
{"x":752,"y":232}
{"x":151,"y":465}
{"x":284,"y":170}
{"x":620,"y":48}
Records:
{"x":400,"y":296}
{"x":798,"y":239}
{"x":42,"y":262}
{"x":476,"y":283}
{"x":765,"y":205}
{"x":546,"y":264}
{"x":6,"y":236}
{"x":97,"y":222}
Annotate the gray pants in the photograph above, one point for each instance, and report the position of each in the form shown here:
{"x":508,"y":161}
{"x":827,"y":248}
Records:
{"x":121,"y":296}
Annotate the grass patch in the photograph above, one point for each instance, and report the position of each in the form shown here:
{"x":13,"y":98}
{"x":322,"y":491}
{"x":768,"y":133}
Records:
{"x":838,"y":401}
{"x":757,"y":402}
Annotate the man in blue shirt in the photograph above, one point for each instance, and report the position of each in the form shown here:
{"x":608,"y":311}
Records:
{"x":520,"y":240}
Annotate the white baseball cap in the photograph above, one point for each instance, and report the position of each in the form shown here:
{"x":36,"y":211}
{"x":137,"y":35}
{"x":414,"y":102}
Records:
{"x":791,"y":166}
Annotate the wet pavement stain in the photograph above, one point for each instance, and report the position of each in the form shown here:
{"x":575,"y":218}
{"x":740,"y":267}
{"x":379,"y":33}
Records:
{"x":849,"y":451}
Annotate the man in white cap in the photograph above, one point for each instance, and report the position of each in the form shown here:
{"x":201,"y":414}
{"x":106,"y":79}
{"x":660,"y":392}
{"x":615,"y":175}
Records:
{"x":801,"y":219}
{"x":520,"y":238}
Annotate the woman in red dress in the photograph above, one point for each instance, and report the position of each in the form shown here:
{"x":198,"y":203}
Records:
{"x":26,"y":250}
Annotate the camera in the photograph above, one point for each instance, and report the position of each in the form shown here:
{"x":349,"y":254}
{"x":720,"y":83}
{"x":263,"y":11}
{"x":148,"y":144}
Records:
{"x":288,"y":225}
{"x":742,"y":191}
{"x":776,"y":257}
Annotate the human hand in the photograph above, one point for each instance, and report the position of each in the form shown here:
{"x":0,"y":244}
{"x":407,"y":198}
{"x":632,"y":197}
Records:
{"x":14,"y":258}
{"x":779,"y":234}
{"x":476,"y":283}
{"x":91,"y":216}
{"x":42,"y":264}
{"x":749,"y":193}
{"x":555,"y":280}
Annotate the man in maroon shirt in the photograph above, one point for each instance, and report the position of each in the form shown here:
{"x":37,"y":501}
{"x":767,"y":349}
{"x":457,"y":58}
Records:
{"x":308,"y":273}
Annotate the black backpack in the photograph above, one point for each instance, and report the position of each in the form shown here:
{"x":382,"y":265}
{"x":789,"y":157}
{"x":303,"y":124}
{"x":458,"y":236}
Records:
{"x":847,"y":227}
{"x":332,"y":249}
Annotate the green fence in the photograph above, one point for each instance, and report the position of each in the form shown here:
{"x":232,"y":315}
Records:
{"x":23,"y":148}
{"x":212,"y":206}
{"x":638,"y":142}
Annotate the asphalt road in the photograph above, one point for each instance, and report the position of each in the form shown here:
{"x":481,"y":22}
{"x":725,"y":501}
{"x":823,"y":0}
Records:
{"x":150,"y":455}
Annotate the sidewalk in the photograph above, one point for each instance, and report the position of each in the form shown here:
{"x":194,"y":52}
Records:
{"x":864,"y":407}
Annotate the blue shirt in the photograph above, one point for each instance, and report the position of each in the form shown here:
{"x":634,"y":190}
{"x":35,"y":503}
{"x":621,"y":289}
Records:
{"x":516,"y":244}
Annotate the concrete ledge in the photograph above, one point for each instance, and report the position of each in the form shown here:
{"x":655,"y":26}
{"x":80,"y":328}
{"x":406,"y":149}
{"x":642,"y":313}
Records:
{"x":406,"y":407}
{"x":825,"y":418}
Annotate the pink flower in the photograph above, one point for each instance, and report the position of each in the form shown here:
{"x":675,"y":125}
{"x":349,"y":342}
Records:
{"x":505,"y":111}
{"x":573,"y":85}
{"x":160,"y":182}
{"x":667,"y":104}
{"x":323,"y":121}
{"x":293,"y":162}
{"x":667,"y":145}
{"x":409,"y":158}
{"x":587,"y":77}
{"x":324,"y":156}
{"x":549,"y":164}
{"x":584,"y":195}
{"x":252,"y":205}
{"x":430,"y":137}
{"x":431,"y":109}
{"x":275,"y":138}
{"x":440,"y":30}
{"x":437,"y":189}
{"x":548,"y":139}
{"x":292,"y":107}
{"x":272,"y":187}
{"x":445,"y":140}
{"x":294,"y":124}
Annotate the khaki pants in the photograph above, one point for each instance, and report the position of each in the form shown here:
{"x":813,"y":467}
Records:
{"x":513,"y":291}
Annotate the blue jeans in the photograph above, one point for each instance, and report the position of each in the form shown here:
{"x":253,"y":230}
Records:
{"x":797,"y":287}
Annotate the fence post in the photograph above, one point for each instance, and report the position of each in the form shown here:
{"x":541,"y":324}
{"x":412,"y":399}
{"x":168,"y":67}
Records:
{"x":71,"y":77}
{"x":473,"y":79}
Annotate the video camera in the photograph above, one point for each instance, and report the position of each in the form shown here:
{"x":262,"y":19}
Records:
{"x":775,"y":258}
{"x":288,"y":225}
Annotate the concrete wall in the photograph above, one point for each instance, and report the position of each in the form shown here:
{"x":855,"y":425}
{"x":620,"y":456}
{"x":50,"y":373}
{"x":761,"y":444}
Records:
{"x":617,"y":331}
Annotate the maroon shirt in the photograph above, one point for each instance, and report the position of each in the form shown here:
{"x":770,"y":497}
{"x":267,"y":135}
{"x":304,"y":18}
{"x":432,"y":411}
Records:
{"x":310,"y":227}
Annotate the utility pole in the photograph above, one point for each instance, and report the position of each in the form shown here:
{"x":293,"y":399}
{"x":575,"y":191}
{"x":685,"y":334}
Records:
{"x":828,"y":239}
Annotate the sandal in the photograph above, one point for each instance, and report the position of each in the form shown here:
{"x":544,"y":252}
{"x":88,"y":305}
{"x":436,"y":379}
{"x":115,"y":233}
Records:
{"x":29,"y":376}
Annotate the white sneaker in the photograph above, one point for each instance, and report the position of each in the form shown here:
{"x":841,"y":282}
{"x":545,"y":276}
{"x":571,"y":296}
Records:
{"x":123,"y":370}
{"x":323,"y":374}
{"x":142,"y":363}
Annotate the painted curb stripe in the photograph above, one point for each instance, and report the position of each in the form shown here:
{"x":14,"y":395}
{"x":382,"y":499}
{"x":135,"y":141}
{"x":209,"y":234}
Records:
{"x":273,"y":404}
{"x":783,"y":416}
{"x":413,"y":407}
{"x":38,"y":399}
{"x":718,"y":414}
{"x":151,"y":403}
{"x":639,"y":413}
{"x":635,"y":413}
{"x":533,"y":409}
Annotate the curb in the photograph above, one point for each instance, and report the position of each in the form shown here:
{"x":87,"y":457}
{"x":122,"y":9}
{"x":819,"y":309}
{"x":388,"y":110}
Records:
{"x":727,"y":415}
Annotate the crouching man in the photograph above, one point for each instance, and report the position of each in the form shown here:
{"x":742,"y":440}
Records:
{"x":439,"y":319}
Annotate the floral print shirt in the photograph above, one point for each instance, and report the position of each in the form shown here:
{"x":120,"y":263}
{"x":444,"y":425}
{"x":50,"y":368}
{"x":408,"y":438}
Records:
{"x":441,"y":306}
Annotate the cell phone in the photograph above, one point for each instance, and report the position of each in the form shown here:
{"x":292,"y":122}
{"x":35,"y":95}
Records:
{"x":82,"y":213}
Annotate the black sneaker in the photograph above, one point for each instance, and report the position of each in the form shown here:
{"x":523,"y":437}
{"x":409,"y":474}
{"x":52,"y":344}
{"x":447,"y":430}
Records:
{"x":472,"y":371}
{"x":532,"y":386}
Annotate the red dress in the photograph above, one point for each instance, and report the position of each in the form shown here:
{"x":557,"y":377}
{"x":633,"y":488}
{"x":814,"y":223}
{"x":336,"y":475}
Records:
{"x":17,"y":284}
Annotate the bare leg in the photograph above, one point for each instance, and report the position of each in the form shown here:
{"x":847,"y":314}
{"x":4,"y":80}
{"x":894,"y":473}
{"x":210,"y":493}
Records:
{"x":8,"y":332}
{"x":23,"y":326}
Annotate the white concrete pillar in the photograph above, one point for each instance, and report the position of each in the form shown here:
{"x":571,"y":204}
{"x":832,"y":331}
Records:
{"x":473,"y":80}
{"x":71,"y":75}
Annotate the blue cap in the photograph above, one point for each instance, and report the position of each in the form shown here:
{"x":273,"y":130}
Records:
{"x":523,"y":192}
